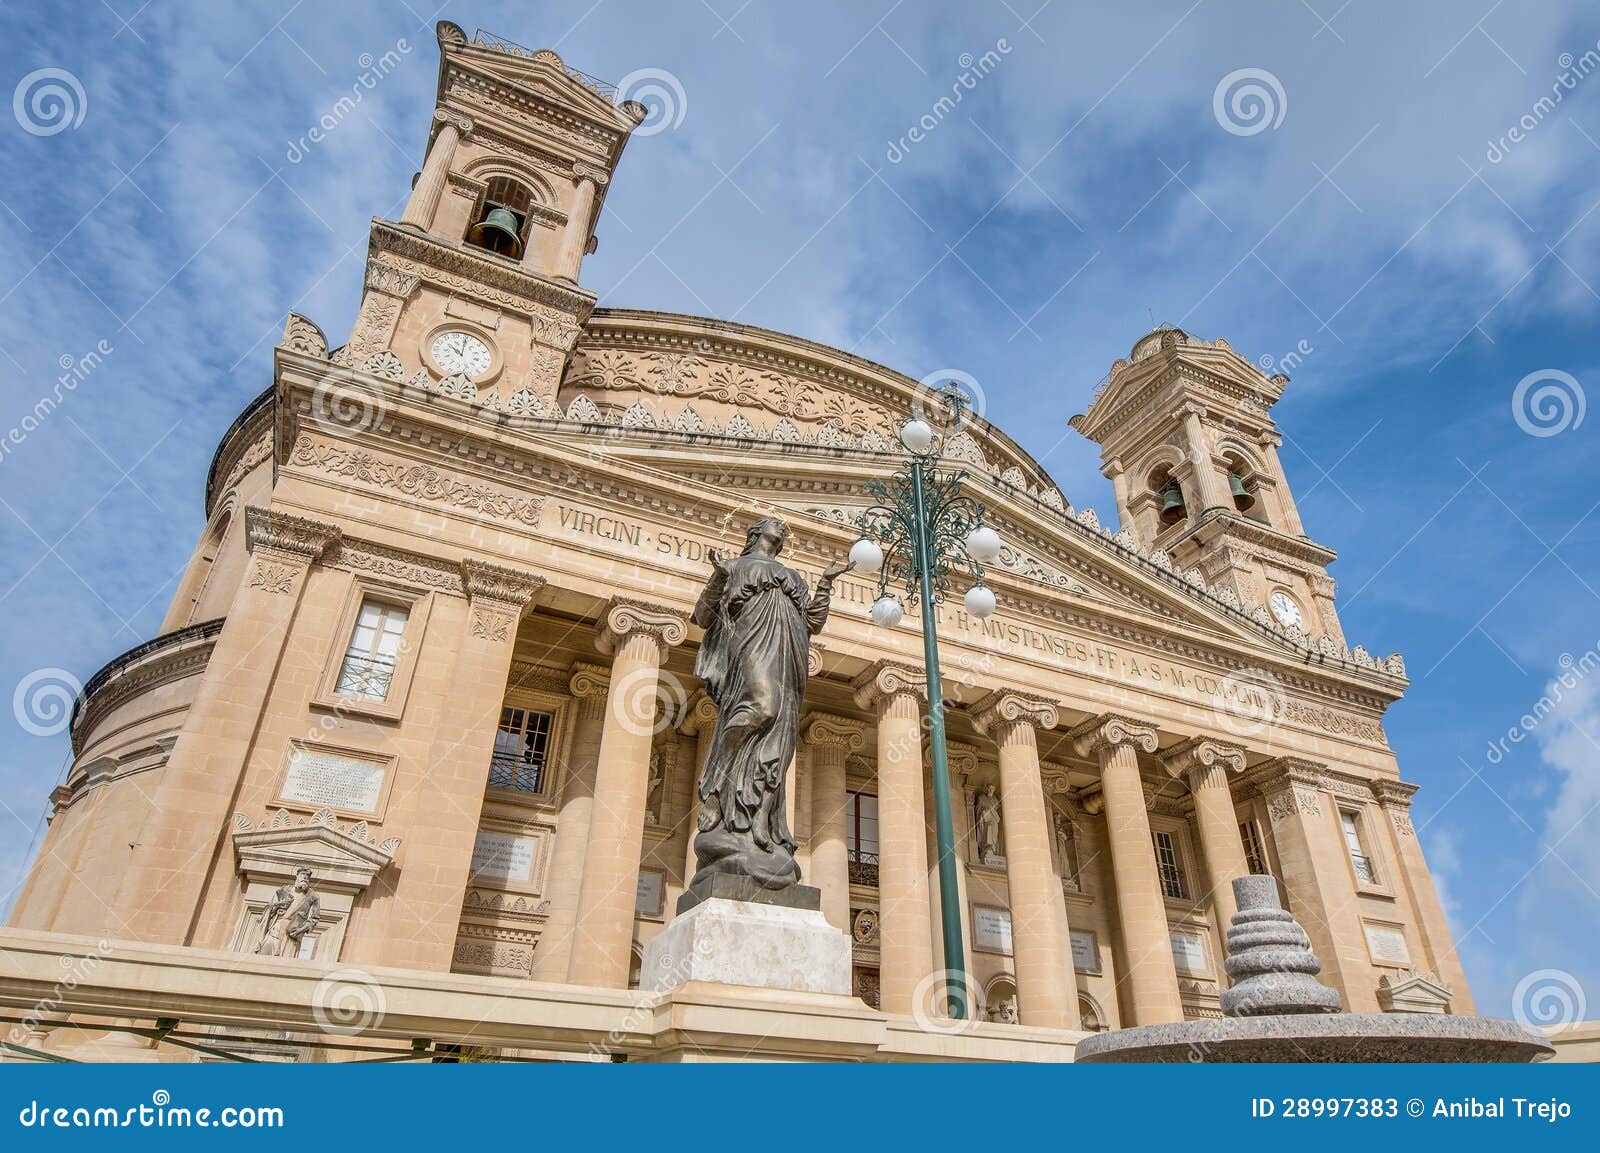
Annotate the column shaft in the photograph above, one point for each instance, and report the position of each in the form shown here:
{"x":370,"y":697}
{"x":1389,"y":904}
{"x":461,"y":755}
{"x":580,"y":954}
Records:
{"x":576,"y":237}
{"x":907,"y":938}
{"x":429,"y":188}
{"x":830,"y":864}
{"x":1219,"y":838}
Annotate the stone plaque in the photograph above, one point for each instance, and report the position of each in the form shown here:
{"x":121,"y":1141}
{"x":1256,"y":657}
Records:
{"x":502,"y":857}
{"x":1085,"y":952}
{"x":1386,"y":944}
{"x":649,"y":898}
{"x":991,"y":929}
{"x":317,"y":777}
{"x":1189,"y":952}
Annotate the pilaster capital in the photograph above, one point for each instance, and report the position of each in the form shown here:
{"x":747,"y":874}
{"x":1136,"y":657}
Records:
{"x":491,"y":582}
{"x":1001,"y":709}
{"x":1270,"y":439}
{"x":589,"y":682}
{"x":625,"y":616}
{"x":1203,"y":753}
{"x":582,"y":171}
{"x":286,"y":535}
{"x":1188,"y":408}
{"x":1291,"y":785}
{"x":1393,"y":794}
{"x":813,"y":658}
{"x":882,"y":682}
{"x":699,"y":715}
{"x":963,"y":758}
{"x":460,"y":121}
{"x":1107,"y":731}
{"x":826,"y":730}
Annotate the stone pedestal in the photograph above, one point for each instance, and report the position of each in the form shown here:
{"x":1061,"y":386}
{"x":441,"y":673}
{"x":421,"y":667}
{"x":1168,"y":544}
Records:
{"x":762,"y":945}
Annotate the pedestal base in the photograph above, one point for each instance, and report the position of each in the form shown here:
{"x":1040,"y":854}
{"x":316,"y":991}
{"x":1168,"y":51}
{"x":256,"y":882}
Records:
{"x":764,"y":946}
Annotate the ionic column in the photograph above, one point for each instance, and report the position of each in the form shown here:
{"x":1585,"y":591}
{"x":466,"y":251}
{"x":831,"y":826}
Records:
{"x":575,"y":239}
{"x":638,"y":636}
{"x":160,"y":895}
{"x":1207,"y":763}
{"x":699,"y":722}
{"x":831,"y":740}
{"x":895,"y":695}
{"x":1041,"y":947}
{"x":429,"y":187}
{"x":588,"y":686}
{"x":1269,"y":443}
{"x":1146,"y":939}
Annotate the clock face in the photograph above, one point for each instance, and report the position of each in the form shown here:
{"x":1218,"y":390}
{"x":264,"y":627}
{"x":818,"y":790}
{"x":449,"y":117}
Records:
{"x":1284,"y":608}
{"x":461,"y":352}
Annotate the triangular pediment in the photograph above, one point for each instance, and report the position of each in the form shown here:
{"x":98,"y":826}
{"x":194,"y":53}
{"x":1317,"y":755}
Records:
{"x":538,"y":73}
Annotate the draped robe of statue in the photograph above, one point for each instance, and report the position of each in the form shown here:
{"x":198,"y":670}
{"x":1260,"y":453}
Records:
{"x":759,"y":618}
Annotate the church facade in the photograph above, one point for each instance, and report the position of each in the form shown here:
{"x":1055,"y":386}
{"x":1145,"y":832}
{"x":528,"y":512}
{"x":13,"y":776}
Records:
{"x":421,"y":721}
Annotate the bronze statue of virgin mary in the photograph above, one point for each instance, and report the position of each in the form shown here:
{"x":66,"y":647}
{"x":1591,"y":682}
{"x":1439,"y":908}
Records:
{"x":759,"y":618}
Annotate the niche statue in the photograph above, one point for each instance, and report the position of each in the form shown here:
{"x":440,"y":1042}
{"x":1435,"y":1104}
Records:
{"x":759,"y":618}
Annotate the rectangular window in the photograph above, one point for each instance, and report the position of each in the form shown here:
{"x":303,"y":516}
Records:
{"x":1365,"y":873}
{"x":369,"y":662}
{"x":1168,"y":867}
{"x":861,"y":837}
{"x":521,"y":745}
{"x":1255,"y":857}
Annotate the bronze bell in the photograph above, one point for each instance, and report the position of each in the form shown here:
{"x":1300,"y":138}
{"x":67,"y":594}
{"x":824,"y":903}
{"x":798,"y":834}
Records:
{"x":1243,"y":498}
{"x":1172,"y":509}
{"x":497,"y":231}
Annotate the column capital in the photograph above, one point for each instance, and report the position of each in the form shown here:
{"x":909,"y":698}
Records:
{"x":843,"y":733}
{"x":460,"y":121}
{"x":1109,"y":730}
{"x":582,"y":171}
{"x":1281,"y":772}
{"x":884,"y":681}
{"x":589,"y":682}
{"x":1001,"y":709}
{"x":1187,"y":408}
{"x":279,"y":532}
{"x":1203,"y":753}
{"x":814,"y":653}
{"x":624,"y":616}
{"x":1393,"y":794}
{"x":491,"y":582}
{"x":698,"y":715}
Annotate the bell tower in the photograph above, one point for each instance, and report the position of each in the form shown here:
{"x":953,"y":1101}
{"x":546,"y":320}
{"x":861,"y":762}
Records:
{"x":1187,"y":439}
{"x":476,"y":287}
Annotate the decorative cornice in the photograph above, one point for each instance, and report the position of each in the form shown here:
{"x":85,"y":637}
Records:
{"x":1001,"y":709}
{"x":404,"y":565}
{"x":1204,"y":753}
{"x":624,"y":616}
{"x":826,"y":730}
{"x":1109,"y":730}
{"x":281,"y":533}
{"x":478,"y":270}
{"x":492,"y":582}
{"x":884,"y":681}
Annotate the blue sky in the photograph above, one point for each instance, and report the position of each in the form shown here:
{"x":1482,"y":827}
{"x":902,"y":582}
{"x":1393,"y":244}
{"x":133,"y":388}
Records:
{"x":1378,"y":222}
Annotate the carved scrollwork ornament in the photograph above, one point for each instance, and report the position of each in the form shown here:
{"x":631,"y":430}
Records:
{"x":1204,"y":753}
{"x":1001,"y":709}
{"x":460,"y":120}
{"x":1111,"y":730}
{"x":823,"y":730}
{"x":492,"y":582}
{"x":625,"y":617}
{"x":286,"y":535}
{"x":884,"y":681}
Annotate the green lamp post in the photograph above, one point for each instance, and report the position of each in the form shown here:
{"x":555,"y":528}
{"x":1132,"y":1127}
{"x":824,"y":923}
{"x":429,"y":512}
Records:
{"x":921,"y":530}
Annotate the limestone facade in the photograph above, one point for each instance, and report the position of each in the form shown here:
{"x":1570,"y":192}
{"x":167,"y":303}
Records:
{"x":434,"y":645}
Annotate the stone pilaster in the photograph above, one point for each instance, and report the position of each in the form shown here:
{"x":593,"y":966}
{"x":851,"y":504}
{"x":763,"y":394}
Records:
{"x":1206,"y":763}
{"x":445,"y":825}
{"x":895,"y":694}
{"x":830,"y":740}
{"x":588,"y":685}
{"x":1394,"y":800}
{"x":1116,"y":742}
{"x":1040,"y":939}
{"x":638,"y":635}
{"x":1316,"y":874}
{"x":160,"y":896}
